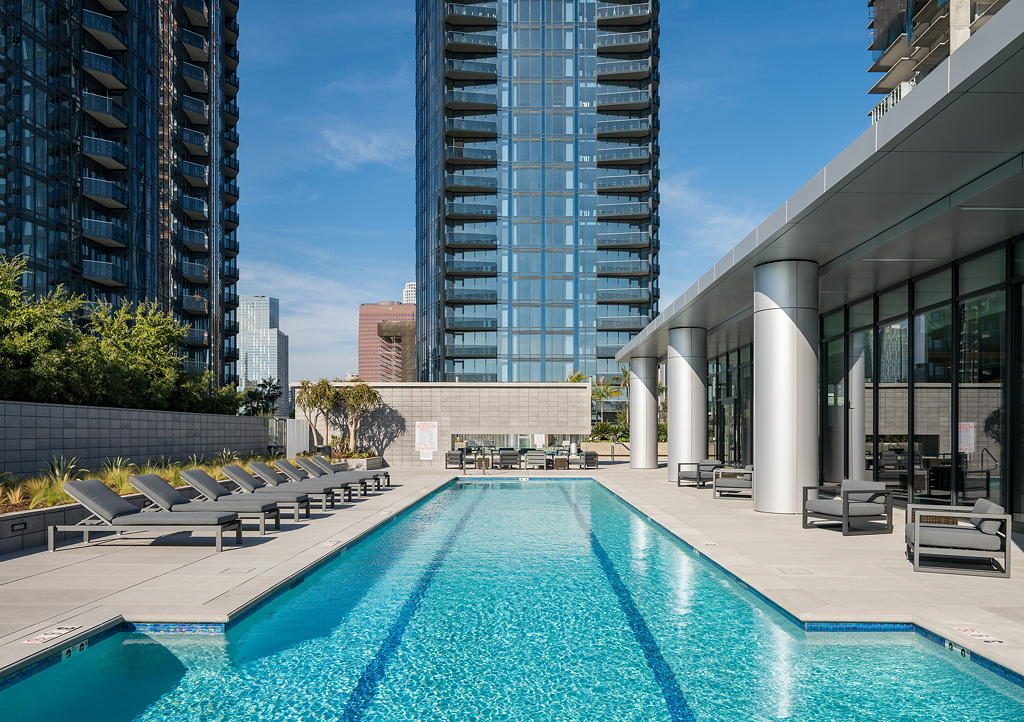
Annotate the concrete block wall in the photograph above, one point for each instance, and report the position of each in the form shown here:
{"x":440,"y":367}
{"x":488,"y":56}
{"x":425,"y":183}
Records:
{"x":31,"y":434}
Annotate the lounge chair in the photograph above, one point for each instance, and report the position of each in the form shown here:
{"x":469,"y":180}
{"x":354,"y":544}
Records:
{"x":296,"y":475}
{"x":985,"y":535}
{"x":856,"y":501}
{"x":588,"y":460}
{"x":165,"y":496}
{"x":210,"y":489}
{"x":698,"y":472}
{"x":732,"y":481}
{"x":455,"y":459}
{"x":250,"y":483}
{"x":112,"y":513}
{"x":363,"y":478}
{"x":536,"y":459}
{"x":509,"y":459}
{"x":279,"y":482}
{"x":330,"y":468}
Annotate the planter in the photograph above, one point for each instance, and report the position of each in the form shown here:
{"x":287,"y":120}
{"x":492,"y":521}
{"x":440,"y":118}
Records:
{"x":618,"y":450}
{"x":368,"y":464}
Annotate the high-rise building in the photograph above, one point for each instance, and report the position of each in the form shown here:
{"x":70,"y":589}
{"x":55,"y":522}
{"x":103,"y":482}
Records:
{"x":409,"y":292}
{"x":537,"y":176}
{"x":387,"y":350}
{"x":262,"y":347}
{"x":117,"y":153}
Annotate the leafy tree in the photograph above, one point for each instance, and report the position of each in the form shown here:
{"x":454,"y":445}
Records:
{"x":602,"y":392}
{"x":318,"y":401}
{"x":261,"y":398}
{"x":357,"y":401}
{"x":577,"y":377}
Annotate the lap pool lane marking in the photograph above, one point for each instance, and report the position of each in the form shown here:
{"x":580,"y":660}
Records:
{"x":369,"y":681}
{"x":678,"y":709}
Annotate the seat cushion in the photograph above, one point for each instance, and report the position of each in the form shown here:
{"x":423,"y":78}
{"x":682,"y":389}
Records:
{"x":987,"y":526}
{"x":954,"y":537}
{"x":99,"y":499}
{"x":175,"y":518}
{"x":734,"y":482}
{"x":855,"y":484}
{"x":250,"y":505}
{"x":834,"y":507}
{"x":204,"y":483}
{"x":276,"y":494}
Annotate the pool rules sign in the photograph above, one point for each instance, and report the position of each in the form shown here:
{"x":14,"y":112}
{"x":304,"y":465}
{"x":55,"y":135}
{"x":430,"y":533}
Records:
{"x":426,"y":439}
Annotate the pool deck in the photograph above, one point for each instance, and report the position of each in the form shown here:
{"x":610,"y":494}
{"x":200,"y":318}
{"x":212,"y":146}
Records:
{"x":816,"y":575}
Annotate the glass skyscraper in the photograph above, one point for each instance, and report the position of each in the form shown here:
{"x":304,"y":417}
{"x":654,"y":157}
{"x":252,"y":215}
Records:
{"x":263,"y":347}
{"x":537,"y":176}
{"x":117,"y":157}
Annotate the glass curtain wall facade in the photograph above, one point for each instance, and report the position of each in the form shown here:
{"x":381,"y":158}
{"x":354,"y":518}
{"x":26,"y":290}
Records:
{"x":536,"y":186}
{"x":730,"y":406}
{"x":114,"y":115}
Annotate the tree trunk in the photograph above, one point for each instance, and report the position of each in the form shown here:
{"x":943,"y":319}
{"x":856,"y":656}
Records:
{"x":353,"y":427}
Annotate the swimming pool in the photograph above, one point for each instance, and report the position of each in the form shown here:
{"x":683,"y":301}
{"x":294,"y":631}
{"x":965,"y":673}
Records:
{"x":540,"y":600}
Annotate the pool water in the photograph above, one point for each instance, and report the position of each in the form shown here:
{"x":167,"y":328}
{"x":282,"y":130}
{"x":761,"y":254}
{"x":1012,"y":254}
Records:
{"x":541,"y":600}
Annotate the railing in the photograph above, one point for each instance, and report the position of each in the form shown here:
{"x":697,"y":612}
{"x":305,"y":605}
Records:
{"x":624,"y":97}
{"x":477,"y":67}
{"x":613,"y":210}
{"x":194,"y":137}
{"x":104,"y":105}
{"x":194,"y":105}
{"x":613,"y":40}
{"x":198,"y":7}
{"x":470,"y":11}
{"x":104,"y":272}
{"x":608,"y":350}
{"x":230,"y":189}
{"x":230,"y":243}
{"x":469,"y":240}
{"x":470,"y":323}
{"x":467,"y":351}
{"x":105,"y":24}
{"x":230,"y":327}
{"x":633,"y":126}
{"x":194,"y":72}
{"x":456,"y":152}
{"x":624,"y":67}
{"x":471,"y":295}
{"x":639,"y":181}
{"x":231,"y":216}
{"x":196,"y":368}
{"x":233,"y":80}
{"x":890,"y":101}
{"x":106,"y":65}
{"x":623,"y":295}
{"x":629,"y":267}
{"x":470,"y":378}
{"x":195,"y":170}
{"x":232,"y":52}
{"x":232,"y":26}
{"x":194,"y":40}
{"x":231,"y":108}
{"x":105,"y":189}
{"x":105,"y":148}
{"x":231,"y":136}
{"x":640,"y":152}
{"x":231,"y":162}
{"x":230,"y":271}
{"x":193,"y":204}
{"x":610,"y":11}
{"x":623,"y":239}
{"x":230,"y":298}
{"x":475,"y":182}
{"x":471,"y":267}
{"x":196,"y":272}
{"x":622,"y":323}
{"x":197,"y":336}
{"x":466,"y":125}
{"x":467,"y":97}
{"x":99,"y":230}
{"x":474,"y":210}
{"x":474,"y":39}
{"x":194,"y":239}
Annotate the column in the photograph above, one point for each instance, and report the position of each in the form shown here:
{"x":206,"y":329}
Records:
{"x":785,"y":384}
{"x":643,"y":413}
{"x":686,"y":375}
{"x":856,"y":417}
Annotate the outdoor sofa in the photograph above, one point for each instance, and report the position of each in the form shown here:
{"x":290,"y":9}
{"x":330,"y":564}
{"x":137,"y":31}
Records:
{"x":455,"y":459}
{"x":979,"y":532}
{"x":535,"y":459}
{"x":165,"y":496}
{"x":509,"y":459}
{"x":697,"y":472}
{"x":863,"y":502}
{"x":211,"y":489}
{"x":588,"y":460}
{"x":732,"y":481}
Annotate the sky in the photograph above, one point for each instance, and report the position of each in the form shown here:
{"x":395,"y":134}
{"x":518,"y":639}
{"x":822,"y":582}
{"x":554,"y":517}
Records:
{"x":756,"y":98}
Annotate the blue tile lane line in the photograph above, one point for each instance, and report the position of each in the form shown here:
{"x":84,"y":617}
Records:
{"x":678,"y":708}
{"x":366,"y":688}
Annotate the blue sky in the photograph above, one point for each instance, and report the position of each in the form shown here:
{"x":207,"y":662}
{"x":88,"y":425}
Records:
{"x":756,"y":97}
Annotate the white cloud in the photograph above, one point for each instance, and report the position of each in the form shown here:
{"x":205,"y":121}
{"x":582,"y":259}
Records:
{"x":349,"y":148}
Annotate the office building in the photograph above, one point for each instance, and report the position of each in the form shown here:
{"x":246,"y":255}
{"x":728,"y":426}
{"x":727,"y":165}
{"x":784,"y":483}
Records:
{"x":537,"y":176}
{"x":117,"y":134}
{"x":409,"y":292}
{"x":387,"y":349}
{"x":262,"y":346}
{"x":871,"y":327}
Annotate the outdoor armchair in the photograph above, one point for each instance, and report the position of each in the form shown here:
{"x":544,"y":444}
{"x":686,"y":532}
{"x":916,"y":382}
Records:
{"x":856,"y":501}
{"x":509,"y":459}
{"x":588,"y":460}
{"x":536,"y":459}
{"x":454,"y":459}
{"x":698,"y":472}
{"x":109,"y":512}
{"x":726,"y":480}
{"x":210,"y":489}
{"x":981,"y":531}
{"x":166,"y":497}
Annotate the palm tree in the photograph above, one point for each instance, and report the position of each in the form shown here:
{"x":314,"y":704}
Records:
{"x":603,"y":391}
{"x":577,"y":377}
{"x":622,"y":384}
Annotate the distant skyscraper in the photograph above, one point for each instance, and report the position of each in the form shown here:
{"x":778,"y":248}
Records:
{"x":409,"y":292}
{"x":537,"y":188}
{"x":386,"y":341}
{"x":263,"y":348}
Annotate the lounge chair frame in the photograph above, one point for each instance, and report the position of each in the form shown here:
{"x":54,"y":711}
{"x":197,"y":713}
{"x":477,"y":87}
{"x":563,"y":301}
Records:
{"x":844,"y":519}
{"x":95,"y":523}
{"x":1000,"y":559}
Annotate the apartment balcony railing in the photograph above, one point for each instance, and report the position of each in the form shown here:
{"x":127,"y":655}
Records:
{"x":461,"y":155}
{"x":108,"y":153}
{"x":231,"y":84}
{"x":196,"y":368}
{"x":230,"y":245}
{"x":471,"y":211}
{"x":623,"y":239}
{"x":617,"y":100}
{"x":231,"y":57}
{"x":196,"y":78}
{"x":105,"y":29}
{"x":197,"y":12}
{"x":230,"y":190}
{"x":608,"y":70}
{"x":231,"y":139}
{"x":609,"y":13}
{"x":230,"y":298}
{"x":470,"y":128}
{"x":231,"y":219}
{"x":628,"y":155}
{"x":230,"y":353}
{"x":627,"y":128}
{"x":636,"y":210}
{"x":231,"y":29}
{"x":457,"y":42}
{"x":232,"y":7}
{"x":470,"y":15}
{"x":195,"y":142}
{"x":195,"y":110}
{"x":470,"y":100}
{"x":105,"y":273}
{"x":195,"y":208}
{"x":195,"y":272}
{"x":196,"y":174}
{"x":113,"y":234}
{"x":637,"y":42}
{"x":105,"y":110}
{"x":458,"y":350}
{"x":622,"y":323}
{"x":195,"y":45}
{"x":198,"y":337}
{"x":470,"y":295}
{"x":230,"y":164}
{"x":230,"y":272}
{"x":465,"y":241}
{"x":111,"y":194}
{"x":607,"y":350}
{"x":471,"y":268}
{"x":471,"y":378}
{"x":624,"y":184}
{"x":623,"y":295}
{"x":193,"y":239}
{"x":470,"y":70}
{"x":459,"y":183}
{"x":231,"y":112}
{"x":638,"y":267}
{"x":889,"y":102}
{"x":470,"y":323}
{"x":105,"y":69}
{"x":230,"y":327}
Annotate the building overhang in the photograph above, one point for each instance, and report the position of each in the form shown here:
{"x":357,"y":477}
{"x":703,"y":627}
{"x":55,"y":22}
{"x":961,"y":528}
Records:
{"x":938,"y":176}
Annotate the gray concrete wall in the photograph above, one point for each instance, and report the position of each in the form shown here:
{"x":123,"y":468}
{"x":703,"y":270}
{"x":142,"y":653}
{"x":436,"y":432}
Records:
{"x":468,"y":408}
{"x":30,"y":434}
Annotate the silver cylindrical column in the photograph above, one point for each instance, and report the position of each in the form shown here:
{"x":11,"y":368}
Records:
{"x":686,"y":375}
{"x":643,"y":413}
{"x":785,"y":384}
{"x":856,"y":409}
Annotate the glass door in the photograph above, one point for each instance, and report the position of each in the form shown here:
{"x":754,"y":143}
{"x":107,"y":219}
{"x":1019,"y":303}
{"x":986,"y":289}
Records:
{"x":728,"y":434}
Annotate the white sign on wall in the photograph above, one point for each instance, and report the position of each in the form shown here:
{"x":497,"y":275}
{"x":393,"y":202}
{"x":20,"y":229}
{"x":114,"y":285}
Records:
{"x":966,"y":433}
{"x":426,"y":439}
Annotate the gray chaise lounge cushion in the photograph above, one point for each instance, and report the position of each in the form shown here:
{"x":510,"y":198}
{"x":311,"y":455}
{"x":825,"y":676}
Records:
{"x":256,"y":485}
{"x":987,"y":526}
{"x":834,"y":507}
{"x":277,"y":481}
{"x":292,"y":472}
{"x":170,"y":499}
{"x":204,"y":483}
{"x":101,"y":500}
{"x":954,"y":537}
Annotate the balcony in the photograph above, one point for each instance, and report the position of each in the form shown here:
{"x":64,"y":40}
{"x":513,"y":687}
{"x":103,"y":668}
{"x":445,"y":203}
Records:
{"x":195,"y":110}
{"x":455,"y":42}
{"x":195,"y":142}
{"x":114,"y":6}
{"x":230,"y":164}
{"x":230,"y":353}
{"x":609,"y":70}
{"x":230,"y":191}
{"x":197,"y":337}
{"x":470,"y":100}
{"x":470,"y":323}
{"x":638,"y":210}
{"x":113,"y":234}
{"x":627,"y":155}
{"x":637,"y":267}
{"x":193,"y":239}
{"x":621,"y":100}
{"x":458,"y":350}
{"x":231,"y":219}
{"x":193,"y":207}
{"x":231,"y":7}
{"x":624,"y":184}
{"x":230,"y":245}
{"x":111,"y":194}
{"x":627,"y":128}
{"x":470,"y":128}
{"x":623,"y":295}
{"x":639,"y":42}
{"x":196,"y":12}
{"x":622,"y":323}
{"x":231,"y":112}
{"x":231,"y":30}
{"x":232,"y":84}
{"x":463,"y":241}
{"x":105,"y":110}
{"x":110,"y":73}
{"x":108,"y":153}
{"x":470,"y":70}
{"x":470,"y":211}
{"x":458,"y":183}
{"x":470,"y":295}
{"x":196,"y":368}
{"x":195,"y":272}
{"x":230,"y":327}
{"x":230,"y":139}
{"x":465,"y":156}
{"x":610,"y":13}
{"x":607,"y":350}
{"x":105,"y":273}
{"x":231,"y":57}
{"x":471,"y":15}
{"x":230,"y":298}
{"x":468,"y":378}
{"x":471,"y":268}
{"x":195,"y":45}
{"x":105,"y":29}
{"x":229,"y":272}
{"x":195,"y":77}
{"x":195,"y":304}
{"x":623,"y":239}
{"x":195,"y":174}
